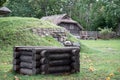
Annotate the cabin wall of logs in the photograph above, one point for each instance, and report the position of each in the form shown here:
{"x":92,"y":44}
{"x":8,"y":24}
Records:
{"x":45,"y":60}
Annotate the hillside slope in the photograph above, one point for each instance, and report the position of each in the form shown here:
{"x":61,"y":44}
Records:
{"x":16,"y":31}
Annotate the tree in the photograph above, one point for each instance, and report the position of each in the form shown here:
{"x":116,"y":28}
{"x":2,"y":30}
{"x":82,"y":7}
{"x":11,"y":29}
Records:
{"x":91,"y":14}
{"x":21,"y":8}
{"x":2,"y":2}
{"x":48,"y":7}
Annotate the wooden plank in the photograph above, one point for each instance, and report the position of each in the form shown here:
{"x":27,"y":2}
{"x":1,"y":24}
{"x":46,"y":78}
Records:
{"x":75,"y":58}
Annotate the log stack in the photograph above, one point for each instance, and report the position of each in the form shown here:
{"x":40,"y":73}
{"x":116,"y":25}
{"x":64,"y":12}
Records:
{"x":45,"y":60}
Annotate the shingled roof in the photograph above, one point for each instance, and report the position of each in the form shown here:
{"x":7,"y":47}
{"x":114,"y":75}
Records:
{"x":62,"y":18}
{"x":4,"y":10}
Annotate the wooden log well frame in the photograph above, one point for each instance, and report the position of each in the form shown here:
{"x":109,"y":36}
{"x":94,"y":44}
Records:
{"x":31,"y":60}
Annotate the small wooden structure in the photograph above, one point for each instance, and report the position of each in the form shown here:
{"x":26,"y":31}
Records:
{"x":89,"y":35}
{"x":4,"y":11}
{"x":45,"y":60}
{"x":65,"y":21}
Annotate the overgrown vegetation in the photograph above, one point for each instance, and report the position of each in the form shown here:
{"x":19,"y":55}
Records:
{"x":106,"y":33}
{"x":2,"y":2}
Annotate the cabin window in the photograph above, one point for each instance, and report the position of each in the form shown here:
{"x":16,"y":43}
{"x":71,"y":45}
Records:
{"x":71,"y":26}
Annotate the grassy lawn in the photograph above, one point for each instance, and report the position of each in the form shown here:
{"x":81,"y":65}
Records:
{"x":102,"y":62}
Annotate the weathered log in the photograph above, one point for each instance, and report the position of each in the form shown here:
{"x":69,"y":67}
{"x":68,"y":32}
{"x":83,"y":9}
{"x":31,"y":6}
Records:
{"x":75,"y":66}
{"x":44,"y":61}
{"x":34,"y":64}
{"x":17,"y":49}
{"x":75,"y":52}
{"x":59,"y":62}
{"x":49,"y":49}
{"x":44,"y":69}
{"x":26,"y":65}
{"x":16,"y":68}
{"x":16,"y":55}
{"x":55,"y":49}
{"x":29,"y":71}
{"x":26,"y":53}
{"x":59,"y":69}
{"x":59,"y":56}
{"x":44,"y":53}
{"x":75,"y":58}
{"x":16,"y":61}
{"x":36,"y":57}
{"x":26,"y":58}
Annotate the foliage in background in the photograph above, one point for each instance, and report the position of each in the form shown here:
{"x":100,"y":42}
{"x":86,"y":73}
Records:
{"x":91,"y":14}
{"x":106,"y":33}
{"x":2,"y":2}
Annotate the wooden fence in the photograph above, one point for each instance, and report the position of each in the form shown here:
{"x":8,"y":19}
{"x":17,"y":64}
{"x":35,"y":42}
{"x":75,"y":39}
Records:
{"x":89,"y":34}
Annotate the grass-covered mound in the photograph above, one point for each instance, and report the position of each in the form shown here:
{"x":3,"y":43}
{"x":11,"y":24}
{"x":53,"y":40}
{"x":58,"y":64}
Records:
{"x":16,"y":31}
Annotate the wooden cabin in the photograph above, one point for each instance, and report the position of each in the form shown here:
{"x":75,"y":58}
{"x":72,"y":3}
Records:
{"x":65,"y":21}
{"x":4,"y":11}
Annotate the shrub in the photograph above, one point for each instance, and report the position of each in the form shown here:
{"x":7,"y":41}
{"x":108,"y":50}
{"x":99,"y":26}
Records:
{"x":106,"y":33}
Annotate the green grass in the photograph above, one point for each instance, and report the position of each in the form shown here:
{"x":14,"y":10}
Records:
{"x":103,"y":55}
{"x":105,"y":59}
{"x":17,"y":31}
